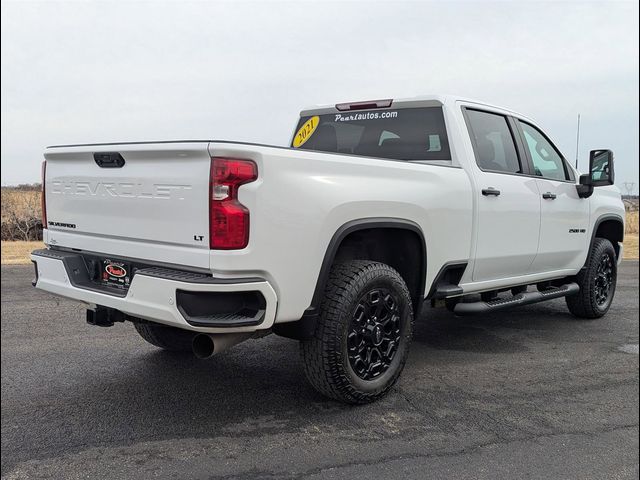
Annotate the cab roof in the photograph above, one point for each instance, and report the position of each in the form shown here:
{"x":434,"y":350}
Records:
{"x":418,"y":101}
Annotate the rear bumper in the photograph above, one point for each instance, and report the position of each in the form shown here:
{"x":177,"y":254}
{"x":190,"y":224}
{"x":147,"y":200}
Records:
{"x":156,"y":294}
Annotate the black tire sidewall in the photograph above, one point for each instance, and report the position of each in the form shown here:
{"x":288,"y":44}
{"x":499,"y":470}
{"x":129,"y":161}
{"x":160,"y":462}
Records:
{"x":604,"y":247}
{"x":381,"y":383}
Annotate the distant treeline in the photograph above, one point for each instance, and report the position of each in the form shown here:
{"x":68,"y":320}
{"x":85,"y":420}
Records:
{"x":25,"y":187}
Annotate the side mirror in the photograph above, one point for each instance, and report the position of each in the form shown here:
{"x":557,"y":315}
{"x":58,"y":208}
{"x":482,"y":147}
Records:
{"x":601,"y":168}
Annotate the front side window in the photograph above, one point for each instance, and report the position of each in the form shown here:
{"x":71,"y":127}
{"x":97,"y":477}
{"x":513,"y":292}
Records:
{"x":493,"y":142}
{"x":547,"y":161}
{"x":400,"y":134}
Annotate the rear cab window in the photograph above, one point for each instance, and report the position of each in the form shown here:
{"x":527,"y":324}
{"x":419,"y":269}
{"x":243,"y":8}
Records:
{"x":411,"y":134}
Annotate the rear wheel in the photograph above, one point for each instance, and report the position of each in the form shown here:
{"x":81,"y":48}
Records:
{"x":597,"y":282}
{"x":361,"y":341}
{"x":167,"y":338}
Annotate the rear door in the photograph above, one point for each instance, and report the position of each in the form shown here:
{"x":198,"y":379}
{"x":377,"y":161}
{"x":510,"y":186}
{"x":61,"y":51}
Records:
{"x":564,"y":215}
{"x":508,"y":200}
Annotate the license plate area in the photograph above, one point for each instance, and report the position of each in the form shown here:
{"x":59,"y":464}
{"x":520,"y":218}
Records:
{"x":115,"y":273}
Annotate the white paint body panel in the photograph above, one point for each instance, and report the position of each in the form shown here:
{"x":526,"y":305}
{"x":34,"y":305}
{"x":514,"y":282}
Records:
{"x":302,"y":198}
{"x":299,"y":201}
{"x":557,"y":248}
{"x":508,"y":226}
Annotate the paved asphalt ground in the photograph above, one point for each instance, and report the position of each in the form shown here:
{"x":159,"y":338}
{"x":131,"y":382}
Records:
{"x":528,"y":393}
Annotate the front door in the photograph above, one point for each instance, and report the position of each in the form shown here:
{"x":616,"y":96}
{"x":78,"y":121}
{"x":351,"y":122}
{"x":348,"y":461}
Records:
{"x":565,"y":216}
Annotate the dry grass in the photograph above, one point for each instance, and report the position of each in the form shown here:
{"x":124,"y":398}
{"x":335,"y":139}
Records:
{"x":631,"y":236}
{"x":630,"y":247}
{"x":631,"y":223}
{"x":17,"y":252}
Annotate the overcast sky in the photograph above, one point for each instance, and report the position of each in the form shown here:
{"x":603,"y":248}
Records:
{"x":75,"y":72}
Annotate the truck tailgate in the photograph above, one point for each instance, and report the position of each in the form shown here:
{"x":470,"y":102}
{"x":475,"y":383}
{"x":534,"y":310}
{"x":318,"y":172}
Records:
{"x":154,"y":206}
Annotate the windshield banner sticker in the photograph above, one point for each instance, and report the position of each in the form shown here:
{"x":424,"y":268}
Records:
{"x":365,"y":116}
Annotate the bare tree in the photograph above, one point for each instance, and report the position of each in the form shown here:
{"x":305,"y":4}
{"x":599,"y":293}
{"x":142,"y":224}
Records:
{"x":20,"y":214}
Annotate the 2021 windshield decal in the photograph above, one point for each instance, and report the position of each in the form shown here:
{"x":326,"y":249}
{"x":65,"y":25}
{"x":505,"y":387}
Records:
{"x":305,"y":131}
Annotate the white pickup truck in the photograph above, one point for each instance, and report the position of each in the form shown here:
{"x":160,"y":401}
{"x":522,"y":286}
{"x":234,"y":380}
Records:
{"x":376,"y":210}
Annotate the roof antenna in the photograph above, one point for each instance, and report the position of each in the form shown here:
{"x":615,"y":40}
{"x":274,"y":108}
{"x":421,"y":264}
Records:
{"x":577,"y":141}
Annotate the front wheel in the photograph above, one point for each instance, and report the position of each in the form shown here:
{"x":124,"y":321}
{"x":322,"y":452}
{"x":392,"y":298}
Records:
{"x":362,"y":338}
{"x":597,"y":282}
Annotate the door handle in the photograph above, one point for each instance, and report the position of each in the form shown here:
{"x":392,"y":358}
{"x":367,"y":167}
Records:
{"x":549,"y":196}
{"x":490,"y":191}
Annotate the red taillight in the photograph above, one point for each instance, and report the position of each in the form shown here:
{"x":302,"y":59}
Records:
{"x":228,"y":218}
{"x":43,"y":199}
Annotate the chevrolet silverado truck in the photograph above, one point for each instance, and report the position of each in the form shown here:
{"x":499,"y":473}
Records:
{"x":376,"y":211}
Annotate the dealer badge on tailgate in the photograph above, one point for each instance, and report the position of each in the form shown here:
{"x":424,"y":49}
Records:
{"x":115,"y":274}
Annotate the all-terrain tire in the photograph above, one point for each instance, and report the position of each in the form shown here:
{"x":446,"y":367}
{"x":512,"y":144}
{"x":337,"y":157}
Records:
{"x":167,"y":338}
{"x":340,"y":359}
{"x":599,"y":275}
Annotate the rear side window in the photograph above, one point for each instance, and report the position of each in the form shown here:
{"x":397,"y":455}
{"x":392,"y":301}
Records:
{"x":401,"y":134}
{"x":493,"y":142}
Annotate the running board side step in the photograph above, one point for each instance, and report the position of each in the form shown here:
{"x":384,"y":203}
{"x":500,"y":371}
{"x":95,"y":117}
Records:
{"x":525,"y":298}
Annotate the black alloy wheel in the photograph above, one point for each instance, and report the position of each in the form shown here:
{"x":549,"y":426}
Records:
{"x":604,"y":279}
{"x":374,"y":333}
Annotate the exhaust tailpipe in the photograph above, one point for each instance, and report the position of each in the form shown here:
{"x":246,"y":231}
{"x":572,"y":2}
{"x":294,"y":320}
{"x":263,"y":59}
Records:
{"x":206,"y":345}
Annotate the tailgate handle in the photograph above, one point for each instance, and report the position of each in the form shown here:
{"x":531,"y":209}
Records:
{"x":108,"y":159}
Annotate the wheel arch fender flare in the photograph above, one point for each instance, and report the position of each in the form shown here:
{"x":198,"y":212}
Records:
{"x":304,"y":328}
{"x":600,"y":220}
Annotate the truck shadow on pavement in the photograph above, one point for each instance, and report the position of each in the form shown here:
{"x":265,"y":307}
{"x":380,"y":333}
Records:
{"x":263,"y":380}
{"x":502,"y":332}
